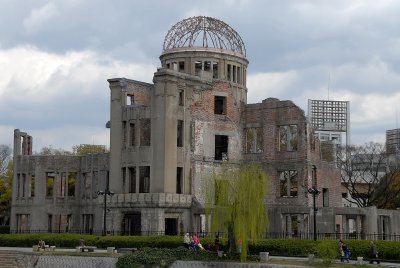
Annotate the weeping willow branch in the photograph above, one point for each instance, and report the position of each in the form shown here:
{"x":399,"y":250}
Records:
{"x":235,"y":202}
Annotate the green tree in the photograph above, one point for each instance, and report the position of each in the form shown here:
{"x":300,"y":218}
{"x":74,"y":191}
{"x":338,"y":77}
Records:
{"x":387,"y":192}
{"x":235,"y":200}
{"x":84,"y":149}
{"x":6,"y":175}
{"x":5,"y":157}
{"x":49,"y":150}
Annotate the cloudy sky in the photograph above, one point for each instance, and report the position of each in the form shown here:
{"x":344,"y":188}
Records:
{"x":55,"y":58}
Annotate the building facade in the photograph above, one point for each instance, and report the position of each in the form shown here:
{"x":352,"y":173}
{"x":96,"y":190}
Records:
{"x":168,"y":137}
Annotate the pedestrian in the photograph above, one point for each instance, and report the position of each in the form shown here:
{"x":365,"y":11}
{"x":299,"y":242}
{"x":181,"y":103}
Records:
{"x":346,"y":252}
{"x":341,"y":251}
{"x":373,"y":253}
{"x":216,"y":242}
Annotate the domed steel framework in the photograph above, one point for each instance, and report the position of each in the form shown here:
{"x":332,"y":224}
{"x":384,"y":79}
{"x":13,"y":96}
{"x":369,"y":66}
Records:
{"x":204,"y":32}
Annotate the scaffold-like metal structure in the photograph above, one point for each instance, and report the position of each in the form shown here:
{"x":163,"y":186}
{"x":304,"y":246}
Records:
{"x":205,"y":32}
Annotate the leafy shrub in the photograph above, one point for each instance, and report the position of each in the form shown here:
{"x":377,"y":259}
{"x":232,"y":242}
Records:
{"x":163,"y":257}
{"x":283,"y":247}
{"x":327,"y":251}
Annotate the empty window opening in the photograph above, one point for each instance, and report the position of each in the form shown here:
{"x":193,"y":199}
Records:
{"x":198,"y":66}
{"x":221,"y":147}
{"x":219,"y":105}
{"x":181,"y":98}
{"x":254,"y":140}
{"x":181,"y":66}
{"x":18,"y":185}
{"x":130,"y":99}
{"x":22,"y":222}
{"x":145,"y":132}
{"x":215,"y":70}
{"x":180,"y":133}
{"x":132,"y":224}
{"x":23,"y":185}
{"x":207,"y":66}
{"x":132,"y":136}
{"x":32,"y":188}
{"x":87,"y":180}
{"x":288,"y":183}
{"x":234,"y":74}
{"x":171,"y":226}
{"x":228,"y":72}
{"x":95,"y":182}
{"x":49,"y":223}
{"x":50,"y":176}
{"x":71,"y":183}
{"x":132,"y":180}
{"x":123,"y":173}
{"x":168,"y":65}
{"x":325,"y":197}
{"x":239,"y":75}
{"x":179,"y":180}
{"x":144,"y":179}
{"x":124,"y":134}
{"x":288,"y":139}
{"x":87,"y":223}
{"x":61,"y":184}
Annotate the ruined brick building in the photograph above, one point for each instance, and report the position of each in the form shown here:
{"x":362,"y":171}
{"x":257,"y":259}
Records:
{"x":167,"y":137}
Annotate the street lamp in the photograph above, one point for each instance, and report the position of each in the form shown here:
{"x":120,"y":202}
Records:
{"x":105,"y":193}
{"x":314,"y":191}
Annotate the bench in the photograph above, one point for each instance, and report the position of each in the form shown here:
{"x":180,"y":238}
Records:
{"x":126,"y":250}
{"x":86,"y":248}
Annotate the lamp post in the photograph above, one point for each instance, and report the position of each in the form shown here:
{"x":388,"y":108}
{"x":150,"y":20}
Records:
{"x":105,"y":193}
{"x":314,"y":191}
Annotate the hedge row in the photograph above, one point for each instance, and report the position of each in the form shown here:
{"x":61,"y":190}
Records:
{"x":388,"y":250}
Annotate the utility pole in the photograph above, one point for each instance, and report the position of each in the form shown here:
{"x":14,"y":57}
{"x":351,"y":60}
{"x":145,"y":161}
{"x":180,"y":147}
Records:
{"x":314,"y":191}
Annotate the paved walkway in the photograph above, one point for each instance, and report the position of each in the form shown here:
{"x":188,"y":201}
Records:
{"x":49,"y":261}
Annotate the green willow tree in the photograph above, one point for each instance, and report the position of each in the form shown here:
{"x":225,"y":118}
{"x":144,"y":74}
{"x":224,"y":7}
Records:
{"x":6,"y":174}
{"x":235,"y":200}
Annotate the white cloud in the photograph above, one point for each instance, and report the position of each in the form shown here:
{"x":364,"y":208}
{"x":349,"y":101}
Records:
{"x":37,"y":88}
{"x":263,"y":85}
{"x":42,"y":76}
{"x":66,"y":136}
{"x":40,"y":16}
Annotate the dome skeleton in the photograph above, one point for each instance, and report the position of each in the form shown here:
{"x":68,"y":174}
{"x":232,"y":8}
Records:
{"x":204,"y":32}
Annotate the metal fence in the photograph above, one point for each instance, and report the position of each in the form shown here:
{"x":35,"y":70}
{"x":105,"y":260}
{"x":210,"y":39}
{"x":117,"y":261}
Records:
{"x":267,"y":235}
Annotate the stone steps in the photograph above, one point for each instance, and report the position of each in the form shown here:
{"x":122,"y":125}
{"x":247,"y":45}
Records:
{"x":16,"y":259}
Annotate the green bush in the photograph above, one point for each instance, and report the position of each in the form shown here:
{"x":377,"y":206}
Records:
{"x":327,"y":251}
{"x":164,"y":257}
{"x":283,"y":247}
{"x":388,"y":250}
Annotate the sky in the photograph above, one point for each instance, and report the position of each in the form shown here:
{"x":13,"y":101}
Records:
{"x":56,"y":57}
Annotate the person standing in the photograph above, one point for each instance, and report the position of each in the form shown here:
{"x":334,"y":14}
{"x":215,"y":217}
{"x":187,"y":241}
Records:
{"x":373,"y":253}
{"x":346,"y":252}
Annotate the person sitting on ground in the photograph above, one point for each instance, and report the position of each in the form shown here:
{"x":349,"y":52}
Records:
{"x":41,"y":244}
{"x":195,"y":242}
{"x":186,"y":240}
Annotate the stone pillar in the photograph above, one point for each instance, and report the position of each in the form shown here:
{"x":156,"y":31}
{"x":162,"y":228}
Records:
{"x":117,"y":87}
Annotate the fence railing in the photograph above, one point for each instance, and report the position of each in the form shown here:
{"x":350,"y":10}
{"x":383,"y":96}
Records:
{"x":267,"y":235}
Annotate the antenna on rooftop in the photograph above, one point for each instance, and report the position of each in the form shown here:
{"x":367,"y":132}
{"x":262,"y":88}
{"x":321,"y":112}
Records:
{"x":329,"y":83}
